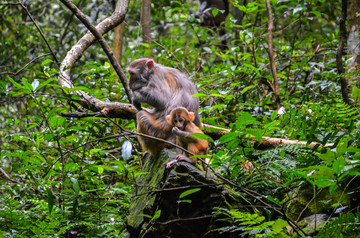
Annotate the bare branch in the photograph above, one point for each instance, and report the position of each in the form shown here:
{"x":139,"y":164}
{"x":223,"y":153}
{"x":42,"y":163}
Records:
{"x":41,"y":33}
{"x":25,"y":66}
{"x":98,"y":35}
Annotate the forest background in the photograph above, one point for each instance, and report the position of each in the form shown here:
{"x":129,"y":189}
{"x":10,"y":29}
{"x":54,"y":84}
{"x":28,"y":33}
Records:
{"x":293,"y":75}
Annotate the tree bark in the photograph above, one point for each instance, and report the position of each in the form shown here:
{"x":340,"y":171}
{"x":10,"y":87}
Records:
{"x":81,"y":16}
{"x":118,"y":41}
{"x":353,"y":39}
{"x":146,"y":22}
{"x":339,"y":55}
{"x":271,"y":54}
{"x":89,"y":102}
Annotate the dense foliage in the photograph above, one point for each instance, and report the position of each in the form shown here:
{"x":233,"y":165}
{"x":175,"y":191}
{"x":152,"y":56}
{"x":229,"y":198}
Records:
{"x":73,"y":177}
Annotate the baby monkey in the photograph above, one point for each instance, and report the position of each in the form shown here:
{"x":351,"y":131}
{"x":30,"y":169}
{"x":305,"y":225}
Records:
{"x":182,"y":121}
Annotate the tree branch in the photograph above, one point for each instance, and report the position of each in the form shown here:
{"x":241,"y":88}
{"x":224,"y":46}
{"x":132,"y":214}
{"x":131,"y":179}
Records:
{"x":25,"y":66}
{"x":105,"y":46}
{"x":41,"y":33}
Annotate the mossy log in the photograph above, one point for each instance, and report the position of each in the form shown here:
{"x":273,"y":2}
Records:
{"x":158,"y":190}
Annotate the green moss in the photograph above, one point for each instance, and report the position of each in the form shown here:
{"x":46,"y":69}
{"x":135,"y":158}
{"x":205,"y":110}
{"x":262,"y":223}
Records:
{"x":143,"y":198}
{"x":305,"y":201}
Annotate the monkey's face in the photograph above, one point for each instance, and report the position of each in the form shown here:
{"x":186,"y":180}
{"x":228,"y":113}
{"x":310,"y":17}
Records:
{"x":140,"y":71}
{"x":179,"y":122}
{"x":138,"y":79}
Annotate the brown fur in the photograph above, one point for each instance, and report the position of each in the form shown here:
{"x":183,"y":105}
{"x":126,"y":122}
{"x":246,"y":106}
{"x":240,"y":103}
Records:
{"x":162,"y":88}
{"x":182,"y":122}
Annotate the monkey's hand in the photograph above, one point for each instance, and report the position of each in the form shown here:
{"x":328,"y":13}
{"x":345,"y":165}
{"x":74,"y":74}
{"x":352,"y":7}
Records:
{"x":136,"y":103}
{"x":175,"y":130}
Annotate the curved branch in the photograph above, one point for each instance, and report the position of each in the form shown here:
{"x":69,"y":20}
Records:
{"x":77,"y":50}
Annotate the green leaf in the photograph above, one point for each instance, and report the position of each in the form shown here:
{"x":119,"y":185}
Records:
{"x":273,"y":115}
{"x":76,"y":186}
{"x":229,"y":137}
{"x":27,"y":85}
{"x":355,"y":91}
{"x":32,"y":160}
{"x":145,"y":45}
{"x":324,"y":183}
{"x":188,"y":192}
{"x":244,"y":120}
{"x":50,"y":200}
{"x":199,"y":95}
{"x":202,"y":136}
{"x":333,"y":188}
{"x":248,"y":88}
{"x":186,"y":201}
{"x":156,"y":215}
{"x":329,"y":157}
{"x":43,"y":84}
{"x":57,"y":121}
{"x":100,"y":169}
{"x":215,"y":12}
{"x":338,"y":165}
{"x":47,"y":61}
{"x":15,"y":83}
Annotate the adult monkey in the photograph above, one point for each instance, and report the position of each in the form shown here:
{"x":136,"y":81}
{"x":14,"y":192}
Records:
{"x":164,"y":89}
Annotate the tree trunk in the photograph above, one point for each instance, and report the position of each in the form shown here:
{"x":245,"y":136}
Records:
{"x":118,"y":41}
{"x":146,"y":22}
{"x":353,"y":39}
{"x":271,"y":55}
{"x":339,"y":55}
{"x":157,"y":191}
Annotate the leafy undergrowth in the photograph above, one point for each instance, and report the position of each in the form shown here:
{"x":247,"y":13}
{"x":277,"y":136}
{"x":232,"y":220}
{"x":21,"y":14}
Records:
{"x":70,"y":177}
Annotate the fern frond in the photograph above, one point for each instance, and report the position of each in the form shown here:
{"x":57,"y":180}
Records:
{"x":346,"y":225}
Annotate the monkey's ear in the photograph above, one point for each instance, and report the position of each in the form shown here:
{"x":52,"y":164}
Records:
{"x":168,"y":118}
{"x":150,"y":64}
{"x":191,"y":116}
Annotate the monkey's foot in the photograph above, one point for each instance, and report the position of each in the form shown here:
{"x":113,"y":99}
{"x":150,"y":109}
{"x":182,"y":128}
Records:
{"x":182,"y":157}
{"x":170,"y":164}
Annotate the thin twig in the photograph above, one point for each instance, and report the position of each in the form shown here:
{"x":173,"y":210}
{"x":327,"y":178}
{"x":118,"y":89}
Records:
{"x":8,"y":177}
{"x":25,"y":66}
{"x":41,"y":33}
